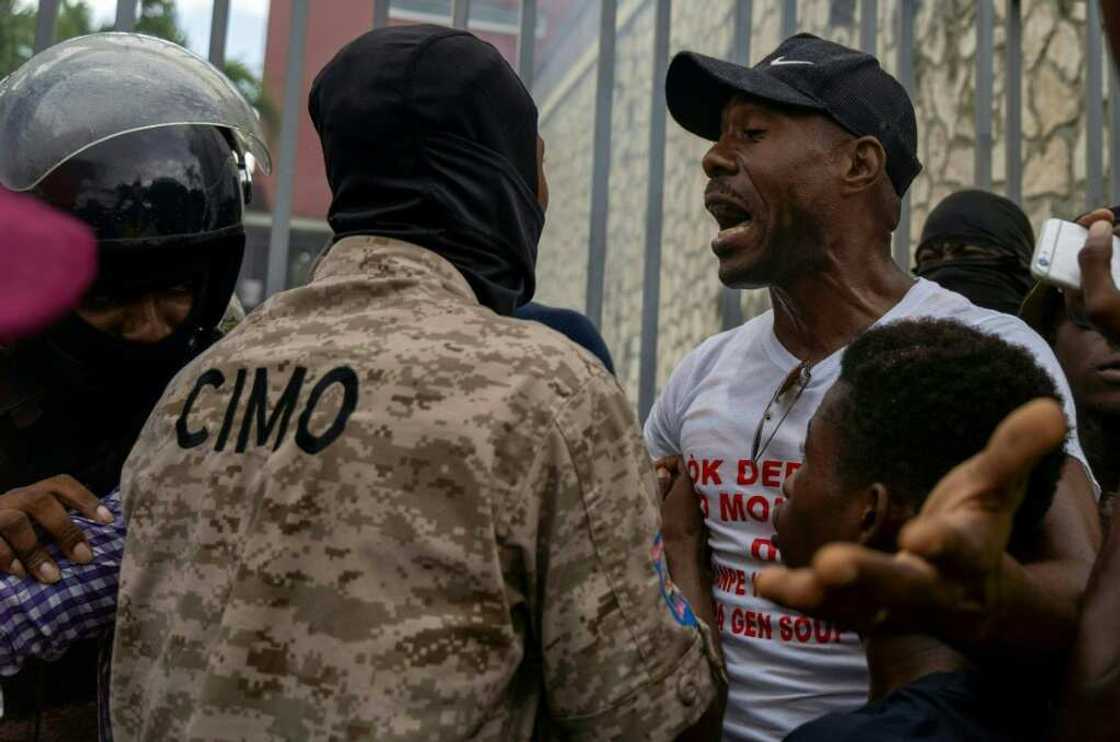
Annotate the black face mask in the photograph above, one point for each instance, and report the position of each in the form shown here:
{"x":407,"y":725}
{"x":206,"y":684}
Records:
{"x":980,"y":218}
{"x":429,"y":137}
{"x":101,"y":372}
{"x":1000,"y":283}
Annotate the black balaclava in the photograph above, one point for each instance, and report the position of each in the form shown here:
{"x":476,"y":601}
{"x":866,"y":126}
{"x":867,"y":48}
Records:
{"x":430,"y":137}
{"x":999,"y":280}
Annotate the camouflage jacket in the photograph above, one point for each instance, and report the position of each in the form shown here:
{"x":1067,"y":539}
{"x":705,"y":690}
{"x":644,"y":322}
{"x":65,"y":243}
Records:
{"x":377,"y":510}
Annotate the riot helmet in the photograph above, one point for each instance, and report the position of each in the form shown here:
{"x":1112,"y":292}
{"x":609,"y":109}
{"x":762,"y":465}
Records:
{"x":152,"y":147}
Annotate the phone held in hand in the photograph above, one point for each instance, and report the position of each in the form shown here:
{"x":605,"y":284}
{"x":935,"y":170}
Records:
{"x":1055,"y":257}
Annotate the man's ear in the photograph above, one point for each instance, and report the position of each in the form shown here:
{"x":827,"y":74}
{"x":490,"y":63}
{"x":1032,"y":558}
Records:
{"x":865,"y":164}
{"x":880,"y":520}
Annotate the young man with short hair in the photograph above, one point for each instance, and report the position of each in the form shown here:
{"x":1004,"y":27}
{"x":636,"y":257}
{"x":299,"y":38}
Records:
{"x":914,"y":399}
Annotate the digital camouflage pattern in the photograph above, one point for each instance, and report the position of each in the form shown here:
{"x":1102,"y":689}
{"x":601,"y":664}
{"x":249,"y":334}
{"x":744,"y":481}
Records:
{"x":377,"y":510}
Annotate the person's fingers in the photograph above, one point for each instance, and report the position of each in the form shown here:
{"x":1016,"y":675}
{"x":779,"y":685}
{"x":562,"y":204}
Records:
{"x":860,"y":588}
{"x":958,"y":546}
{"x":880,"y":592}
{"x":891,"y":579}
{"x":1016,"y":445}
{"x":1096,"y":215}
{"x":671,"y":464}
{"x":1025,"y":436}
{"x":668,"y":470}
{"x":16,"y":530}
{"x":664,"y":482}
{"x":966,"y":520}
{"x":1098,"y":288}
{"x":49,"y":513}
{"x":798,"y":589}
{"x":8,"y":562}
{"x":72,"y":492}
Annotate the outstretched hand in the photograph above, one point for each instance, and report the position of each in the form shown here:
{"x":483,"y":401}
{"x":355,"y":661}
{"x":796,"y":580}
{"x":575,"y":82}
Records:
{"x":946,"y":577}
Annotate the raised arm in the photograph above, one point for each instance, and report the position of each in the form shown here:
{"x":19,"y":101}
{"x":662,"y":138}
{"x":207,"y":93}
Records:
{"x":953,"y":577}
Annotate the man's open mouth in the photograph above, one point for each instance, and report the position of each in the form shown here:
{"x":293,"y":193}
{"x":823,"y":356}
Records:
{"x":733,"y":219}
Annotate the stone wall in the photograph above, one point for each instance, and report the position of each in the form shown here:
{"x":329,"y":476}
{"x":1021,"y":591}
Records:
{"x":1053,"y":145}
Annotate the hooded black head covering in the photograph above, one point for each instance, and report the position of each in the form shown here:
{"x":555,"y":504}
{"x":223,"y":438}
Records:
{"x":430,"y":137}
{"x":999,"y":280}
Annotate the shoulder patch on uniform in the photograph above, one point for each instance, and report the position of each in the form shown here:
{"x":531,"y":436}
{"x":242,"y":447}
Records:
{"x":674,"y":598}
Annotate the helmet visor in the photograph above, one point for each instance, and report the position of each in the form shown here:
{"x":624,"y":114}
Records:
{"x":92,"y":88}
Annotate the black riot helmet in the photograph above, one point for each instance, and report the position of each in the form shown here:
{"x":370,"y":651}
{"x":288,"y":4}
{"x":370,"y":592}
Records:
{"x":165,"y":205}
{"x":152,"y":147}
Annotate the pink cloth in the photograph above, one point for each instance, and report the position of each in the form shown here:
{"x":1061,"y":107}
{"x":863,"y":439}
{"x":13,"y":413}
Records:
{"x":47,"y":260}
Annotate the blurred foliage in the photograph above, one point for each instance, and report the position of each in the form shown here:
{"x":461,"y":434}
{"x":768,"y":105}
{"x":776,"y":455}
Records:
{"x":159,"y":18}
{"x":17,"y":29}
{"x":252,"y":88}
{"x":75,"y":18}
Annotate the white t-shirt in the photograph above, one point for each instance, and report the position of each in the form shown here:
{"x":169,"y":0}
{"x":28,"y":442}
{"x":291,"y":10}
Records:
{"x":785,"y":669}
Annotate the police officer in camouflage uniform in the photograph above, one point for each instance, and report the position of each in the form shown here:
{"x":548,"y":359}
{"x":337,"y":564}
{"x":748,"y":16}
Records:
{"x":146,"y":144}
{"x":381,"y":508}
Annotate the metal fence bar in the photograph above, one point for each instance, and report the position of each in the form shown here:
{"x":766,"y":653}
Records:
{"x":1114,"y":131}
{"x":527,"y":42}
{"x":601,"y":164}
{"x":985,"y":41}
{"x":381,"y":13}
{"x":1094,"y":55}
{"x":126,"y":15}
{"x":46,"y":19}
{"x":286,"y":163}
{"x":906,"y":13}
{"x":741,"y":45}
{"x":789,"y":18}
{"x":651,"y":287}
{"x":869,"y":26}
{"x":460,"y":13}
{"x":219,"y":31}
{"x":730,"y":300}
{"x":1013,"y":89}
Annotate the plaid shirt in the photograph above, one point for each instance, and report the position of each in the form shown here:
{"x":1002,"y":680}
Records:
{"x":42,"y":621}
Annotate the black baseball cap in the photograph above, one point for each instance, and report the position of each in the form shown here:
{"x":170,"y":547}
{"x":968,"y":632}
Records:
{"x":807,"y":72}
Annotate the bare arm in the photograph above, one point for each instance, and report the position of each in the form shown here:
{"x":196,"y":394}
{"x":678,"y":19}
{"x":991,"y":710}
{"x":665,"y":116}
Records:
{"x":1091,"y":709}
{"x":686,"y":549}
{"x":1036,"y":607}
{"x":686,"y":541}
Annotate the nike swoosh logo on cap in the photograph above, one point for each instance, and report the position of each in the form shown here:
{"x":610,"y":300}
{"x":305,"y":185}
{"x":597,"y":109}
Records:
{"x":782,"y":60}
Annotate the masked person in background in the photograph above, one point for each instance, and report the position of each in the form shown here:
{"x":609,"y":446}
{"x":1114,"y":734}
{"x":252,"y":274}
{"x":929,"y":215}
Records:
{"x":385,"y":509}
{"x":147,"y":144}
{"x":979,"y":245}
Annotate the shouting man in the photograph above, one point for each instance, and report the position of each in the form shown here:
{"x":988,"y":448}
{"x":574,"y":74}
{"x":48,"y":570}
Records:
{"x":813,"y":150}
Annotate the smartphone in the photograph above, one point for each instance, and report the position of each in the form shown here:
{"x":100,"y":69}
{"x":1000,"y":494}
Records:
{"x":1055,"y":256}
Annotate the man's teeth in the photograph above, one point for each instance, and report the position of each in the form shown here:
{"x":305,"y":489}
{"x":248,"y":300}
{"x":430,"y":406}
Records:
{"x":733,"y":231}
